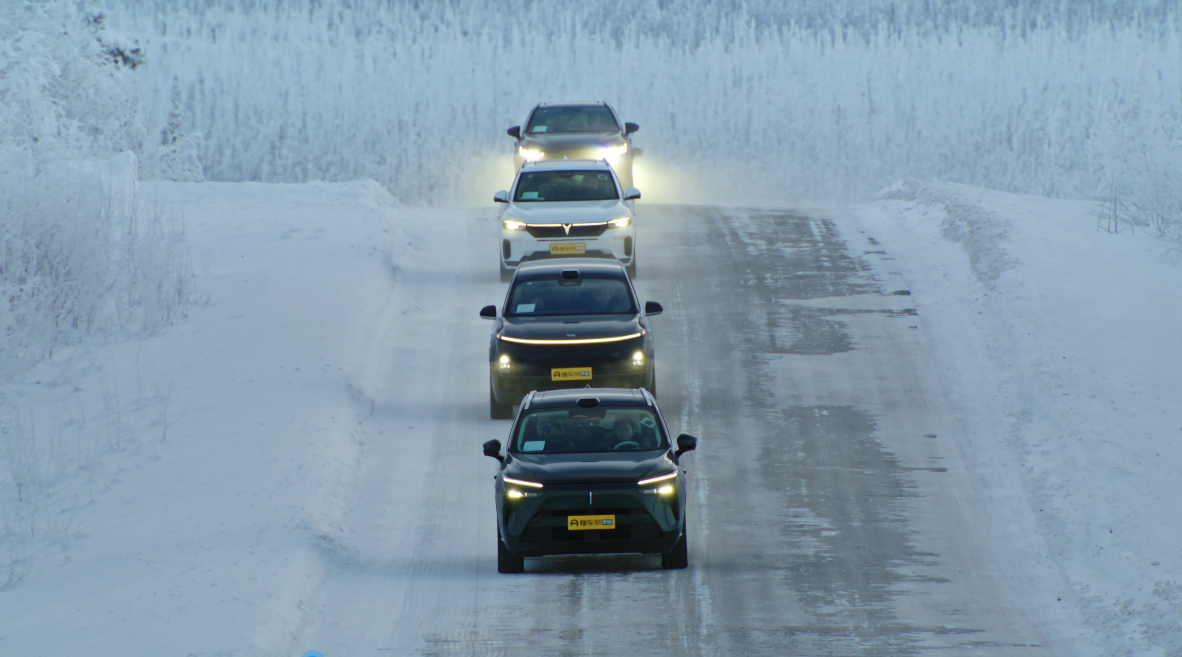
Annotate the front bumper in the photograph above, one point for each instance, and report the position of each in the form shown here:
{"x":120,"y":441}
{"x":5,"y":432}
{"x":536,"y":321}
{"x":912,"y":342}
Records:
{"x":509,"y":388}
{"x":518,"y":246}
{"x":646,"y":524}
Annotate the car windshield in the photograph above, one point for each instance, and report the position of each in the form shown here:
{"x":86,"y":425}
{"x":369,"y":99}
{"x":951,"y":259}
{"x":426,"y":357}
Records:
{"x":585,"y":118}
{"x":582,"y":430}
{"x":579,"y":296}
{"x":565,"y":186}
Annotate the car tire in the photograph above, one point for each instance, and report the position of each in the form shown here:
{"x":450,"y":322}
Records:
{"x":506,"y":562}
{"x":679,"y":556}
{"x":506,"y":274}
{"x":497,"y":410}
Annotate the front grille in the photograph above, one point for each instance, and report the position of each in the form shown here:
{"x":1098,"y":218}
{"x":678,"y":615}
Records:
{"x":632,"y":525}
{"x":576,"y":230}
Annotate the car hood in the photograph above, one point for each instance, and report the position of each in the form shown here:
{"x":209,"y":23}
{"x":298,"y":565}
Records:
{"x":564,"y":139}
{"x":598,"y":467}
{"x":563,"y":328}
{"x":567,"y":212}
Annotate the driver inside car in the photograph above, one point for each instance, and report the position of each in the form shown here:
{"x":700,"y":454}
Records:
{"x":624,"y":434}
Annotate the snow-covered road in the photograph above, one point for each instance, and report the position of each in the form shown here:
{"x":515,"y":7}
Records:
{"x":837,"y":508}
{"x":909,"y":441}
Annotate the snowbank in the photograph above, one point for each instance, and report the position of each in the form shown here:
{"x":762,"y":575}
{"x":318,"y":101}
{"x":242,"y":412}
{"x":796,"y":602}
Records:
{"x":186,"y":489}
{"x":1080,"y":328}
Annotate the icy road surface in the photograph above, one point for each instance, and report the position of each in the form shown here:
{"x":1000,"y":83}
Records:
{"x":839,"y":504}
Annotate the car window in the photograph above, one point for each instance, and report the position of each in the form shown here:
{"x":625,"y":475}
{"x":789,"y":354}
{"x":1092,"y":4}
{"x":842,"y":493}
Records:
{"x":580,"y":296}
{"x":586,"y":118}
{"x":565,"y":186}
{"x":581,"y":430}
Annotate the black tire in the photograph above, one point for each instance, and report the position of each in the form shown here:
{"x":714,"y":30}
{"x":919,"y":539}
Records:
{"x":679,"y":556}
{"x":506,"y":562}
{"x":497,"y":410}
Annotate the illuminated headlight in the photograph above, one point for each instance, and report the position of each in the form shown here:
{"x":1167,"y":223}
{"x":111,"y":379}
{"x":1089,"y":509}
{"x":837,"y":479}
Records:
{"x":623,"y":222}
{"x":612,"y":152}
{"x":530,"y":154}
{"x":509,"y":224}
{"x":666,"y":489}
{"x":638,"y":358}
{"x":504,"y":361}
{"x":515,"y":494}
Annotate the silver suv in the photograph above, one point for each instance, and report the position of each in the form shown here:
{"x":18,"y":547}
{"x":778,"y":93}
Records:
{"x":576,"y":131}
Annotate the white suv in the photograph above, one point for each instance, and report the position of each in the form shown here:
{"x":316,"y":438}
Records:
{"x":567,"y":208}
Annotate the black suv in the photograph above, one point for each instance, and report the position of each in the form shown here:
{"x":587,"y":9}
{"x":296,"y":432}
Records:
{"x":588,"y":472}
{"x":569,"y":323}
{"x":576,"y":131}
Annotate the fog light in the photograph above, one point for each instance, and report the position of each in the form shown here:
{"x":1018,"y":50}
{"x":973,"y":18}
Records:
{"x":638,"y":358}
{"x":504,"y":362}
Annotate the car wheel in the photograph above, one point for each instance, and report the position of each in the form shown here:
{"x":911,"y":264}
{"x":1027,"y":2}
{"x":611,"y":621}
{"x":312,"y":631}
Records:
{"x":506,"y":562}
{"x":497,"y":410}
{"x":679,"y":556}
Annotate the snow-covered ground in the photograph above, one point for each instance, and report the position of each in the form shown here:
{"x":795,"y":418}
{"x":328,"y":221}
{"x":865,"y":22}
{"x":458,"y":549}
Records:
{"x":197,"y":475}
{"x":1065,"y":340}
{"x":199,"y":482}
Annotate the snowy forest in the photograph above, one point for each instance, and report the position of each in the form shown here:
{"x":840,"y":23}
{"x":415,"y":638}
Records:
{"x":743,"y":103}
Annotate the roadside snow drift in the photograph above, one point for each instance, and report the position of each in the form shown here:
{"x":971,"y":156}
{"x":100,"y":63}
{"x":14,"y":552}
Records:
{"x":1079,"y":331}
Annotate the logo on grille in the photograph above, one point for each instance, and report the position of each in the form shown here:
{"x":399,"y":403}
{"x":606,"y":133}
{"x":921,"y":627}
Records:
{"x":566,"y":227}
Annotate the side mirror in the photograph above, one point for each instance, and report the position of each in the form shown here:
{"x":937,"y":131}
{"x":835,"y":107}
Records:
{"x":493,"y":448}
{"x":514,"y":132}
{"x":685,"y":443}
{"x":630,"y":128}
{"x":631,"y":194}
{"x":501,"y":197}
{"x":488,"y":312}
{"x":650,"y":308}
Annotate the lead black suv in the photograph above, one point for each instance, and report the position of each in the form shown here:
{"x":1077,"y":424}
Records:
{"x":587,"y":472}
{"x":569,"y":323}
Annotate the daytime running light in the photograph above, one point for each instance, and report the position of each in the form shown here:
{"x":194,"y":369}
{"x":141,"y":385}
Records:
{"x":656,"y":479}
{"x":520,"y":482}
{"x":509,"y":224}
{"x":623,"y":222}
{"x":576,"y":341}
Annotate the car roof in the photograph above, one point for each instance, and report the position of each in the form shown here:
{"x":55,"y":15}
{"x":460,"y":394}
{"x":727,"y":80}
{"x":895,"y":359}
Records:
{"x":571,"y":396}
{"x":554,"y":266}
{"x":562,"y":165}
{"x":573,"y":103}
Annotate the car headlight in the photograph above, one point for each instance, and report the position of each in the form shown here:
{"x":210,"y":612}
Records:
{"x":612,"y":152}
{"x":622,"y":222}
{"x":504,"y":361}
{"x":509,"y":224}
{"x":530,"y":154}
{"x":666,"y":489}
{"x":637,"y":358}
{"x":515,"y":494}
